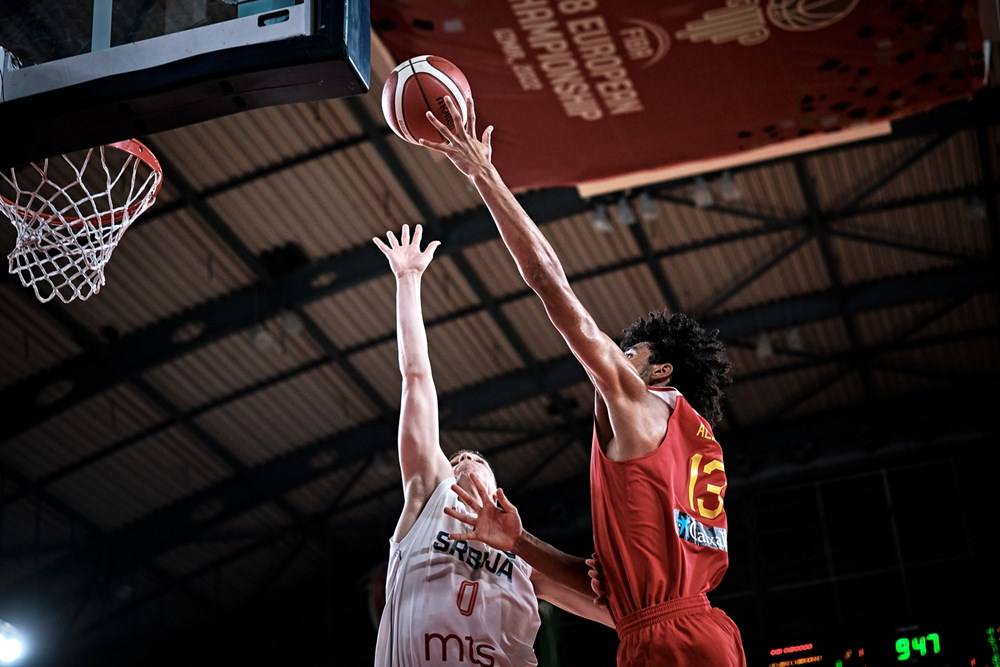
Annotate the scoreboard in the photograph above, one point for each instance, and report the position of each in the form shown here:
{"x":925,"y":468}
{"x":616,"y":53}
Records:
{"x":927,"y":646}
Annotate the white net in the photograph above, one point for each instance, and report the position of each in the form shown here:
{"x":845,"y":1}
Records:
{"x":71,"y":211}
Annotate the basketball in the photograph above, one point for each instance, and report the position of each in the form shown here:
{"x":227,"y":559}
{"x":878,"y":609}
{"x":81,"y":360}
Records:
{"x":418,"y":85}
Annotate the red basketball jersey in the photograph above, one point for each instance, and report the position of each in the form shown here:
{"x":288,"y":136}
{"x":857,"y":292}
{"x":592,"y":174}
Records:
{"x":659,"y":522}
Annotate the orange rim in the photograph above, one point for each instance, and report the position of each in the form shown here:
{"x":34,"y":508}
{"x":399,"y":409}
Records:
{"x":133,"y":147}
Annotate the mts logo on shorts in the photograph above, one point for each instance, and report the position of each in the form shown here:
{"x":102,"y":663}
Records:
{"x":453,"y":646}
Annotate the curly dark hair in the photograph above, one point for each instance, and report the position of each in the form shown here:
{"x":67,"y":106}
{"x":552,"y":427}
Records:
{"x":701,"y":368}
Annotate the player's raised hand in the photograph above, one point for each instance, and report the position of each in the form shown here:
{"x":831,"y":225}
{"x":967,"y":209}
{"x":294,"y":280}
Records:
{"x":469,"y":154}
{"x":405,"y":255}
{"x":500,"y":527}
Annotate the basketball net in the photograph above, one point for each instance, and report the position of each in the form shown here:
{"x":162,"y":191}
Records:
{"x":71,"y":211}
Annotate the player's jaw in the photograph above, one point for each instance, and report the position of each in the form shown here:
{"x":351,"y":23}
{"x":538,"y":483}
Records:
{"x":464,"y":464}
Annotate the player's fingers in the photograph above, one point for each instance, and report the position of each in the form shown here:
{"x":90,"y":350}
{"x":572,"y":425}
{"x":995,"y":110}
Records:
{"x":418,"y":235}
{"x":480,"y":487}
{"x":404,"y":237}
{"x":442,"y":129}
{"x":456,"y":113}
{"x":436,"y":147}
{"x":467,"y":498}
{"x":431,"y":247}
{"x":464,"y":537}
{"x":381,"y":245}
{"x":504,"y":503}
{"x":393,"y":243}
{"x":471,"y":110}
{"x":468,"y":519}
{"x":488,"y":137}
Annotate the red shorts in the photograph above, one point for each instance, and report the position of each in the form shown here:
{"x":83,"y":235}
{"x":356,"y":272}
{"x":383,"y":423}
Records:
{"x":686,"y":632}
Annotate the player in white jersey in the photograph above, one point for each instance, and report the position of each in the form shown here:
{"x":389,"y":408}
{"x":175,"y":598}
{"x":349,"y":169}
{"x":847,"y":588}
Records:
{"x":449,"y":602}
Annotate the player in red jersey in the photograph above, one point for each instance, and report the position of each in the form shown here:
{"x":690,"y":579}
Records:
{"x":657,"y":476}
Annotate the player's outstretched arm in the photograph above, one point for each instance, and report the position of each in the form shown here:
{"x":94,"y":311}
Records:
{"x":422,"y":463}
{"x":500,"y":527}
{"x":607,"y":366}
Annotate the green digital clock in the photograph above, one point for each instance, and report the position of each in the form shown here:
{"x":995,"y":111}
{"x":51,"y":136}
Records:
{"x":913,"y":648}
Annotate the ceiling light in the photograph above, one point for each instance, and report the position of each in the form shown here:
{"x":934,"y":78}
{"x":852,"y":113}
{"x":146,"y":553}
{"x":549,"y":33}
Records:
{"x":793,"y":338}
{"x":599,"y":219}
{"x":12,"y":644}
{"x":764,"y":348}
{"x":728,"y":189}
{"x":624,"y":213}
{"x":648,"y":210}
{"x":702,"y":194}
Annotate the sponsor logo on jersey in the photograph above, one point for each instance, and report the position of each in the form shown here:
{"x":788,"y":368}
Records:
{"x":691,"y":530}
{"x":499,"y":563}
{"x":453,"y":646}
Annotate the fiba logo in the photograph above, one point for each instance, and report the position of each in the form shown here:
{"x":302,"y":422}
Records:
{"x":806,"y":15}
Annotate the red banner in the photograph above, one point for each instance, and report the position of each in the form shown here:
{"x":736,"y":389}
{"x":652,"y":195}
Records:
{"x":589,"y":89}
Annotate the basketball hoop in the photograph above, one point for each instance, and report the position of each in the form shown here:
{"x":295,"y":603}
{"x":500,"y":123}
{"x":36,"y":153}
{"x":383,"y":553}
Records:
{"x":71,"y":211}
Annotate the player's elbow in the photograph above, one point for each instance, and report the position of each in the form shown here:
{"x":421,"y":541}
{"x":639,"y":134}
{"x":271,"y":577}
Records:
{"x":544,"y":276}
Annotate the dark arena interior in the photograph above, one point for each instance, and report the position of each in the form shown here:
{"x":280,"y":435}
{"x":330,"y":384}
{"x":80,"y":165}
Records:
{"x":198,"y":461}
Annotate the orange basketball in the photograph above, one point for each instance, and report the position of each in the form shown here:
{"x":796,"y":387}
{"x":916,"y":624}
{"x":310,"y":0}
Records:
{"x":417,"y":86}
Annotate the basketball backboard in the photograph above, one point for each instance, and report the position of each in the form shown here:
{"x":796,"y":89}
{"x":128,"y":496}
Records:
{"x":78,"y":73}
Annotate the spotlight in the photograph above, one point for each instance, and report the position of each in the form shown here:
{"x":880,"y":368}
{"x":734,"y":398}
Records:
{"x":599,"y":219}
{"x":728,"y":188}
{"x":262,"y":339}
{"x":624,"y":213}
{"x":12,"y":645}
{"x":764,"y":348}
{"x":292,"y":323}
{"x":793,"y":338}
{"x":975,"y":209}
{"x":702,"y":195}
{"x":648,"y":210}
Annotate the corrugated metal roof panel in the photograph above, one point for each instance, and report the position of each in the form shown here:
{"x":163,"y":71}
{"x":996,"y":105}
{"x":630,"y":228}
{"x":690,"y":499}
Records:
{"x":678,"y":225}
{"x":262,"y":519}
{"x":942,"y":225}
{"x":525,"y":414}
{"x":218,"y":150}
{"x":369,"y":310}
{"x":287,"y":415}
{"x":861,"y":262}
{"x":576,"y":243}
{"x":446,"y":189}
{"x":318,"y":496}
{"x":469,"y":350}
{"x":234,"y":362}
{"x":952,"y":165}
{"x":800,"y":273}
{"x":879,"y":327}
{"x":699,"y":277}
{"x":842,"y":174}
{"x":844,"y":391}
{"x":138,"y":480}
{"x":978,"y":312}
{"x":160,"y":269}
{"x":325,"y":206}
{"x":529,"y":319}
{"x":618,"y":299}
{"x":30,"y":341}
{"x":96,"y":423}
{"x":978,"y":357}
{"x":752,"y":401}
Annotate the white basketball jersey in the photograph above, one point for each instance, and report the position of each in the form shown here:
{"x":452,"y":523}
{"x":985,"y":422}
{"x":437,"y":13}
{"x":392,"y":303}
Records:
{"x":454,"y":602}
